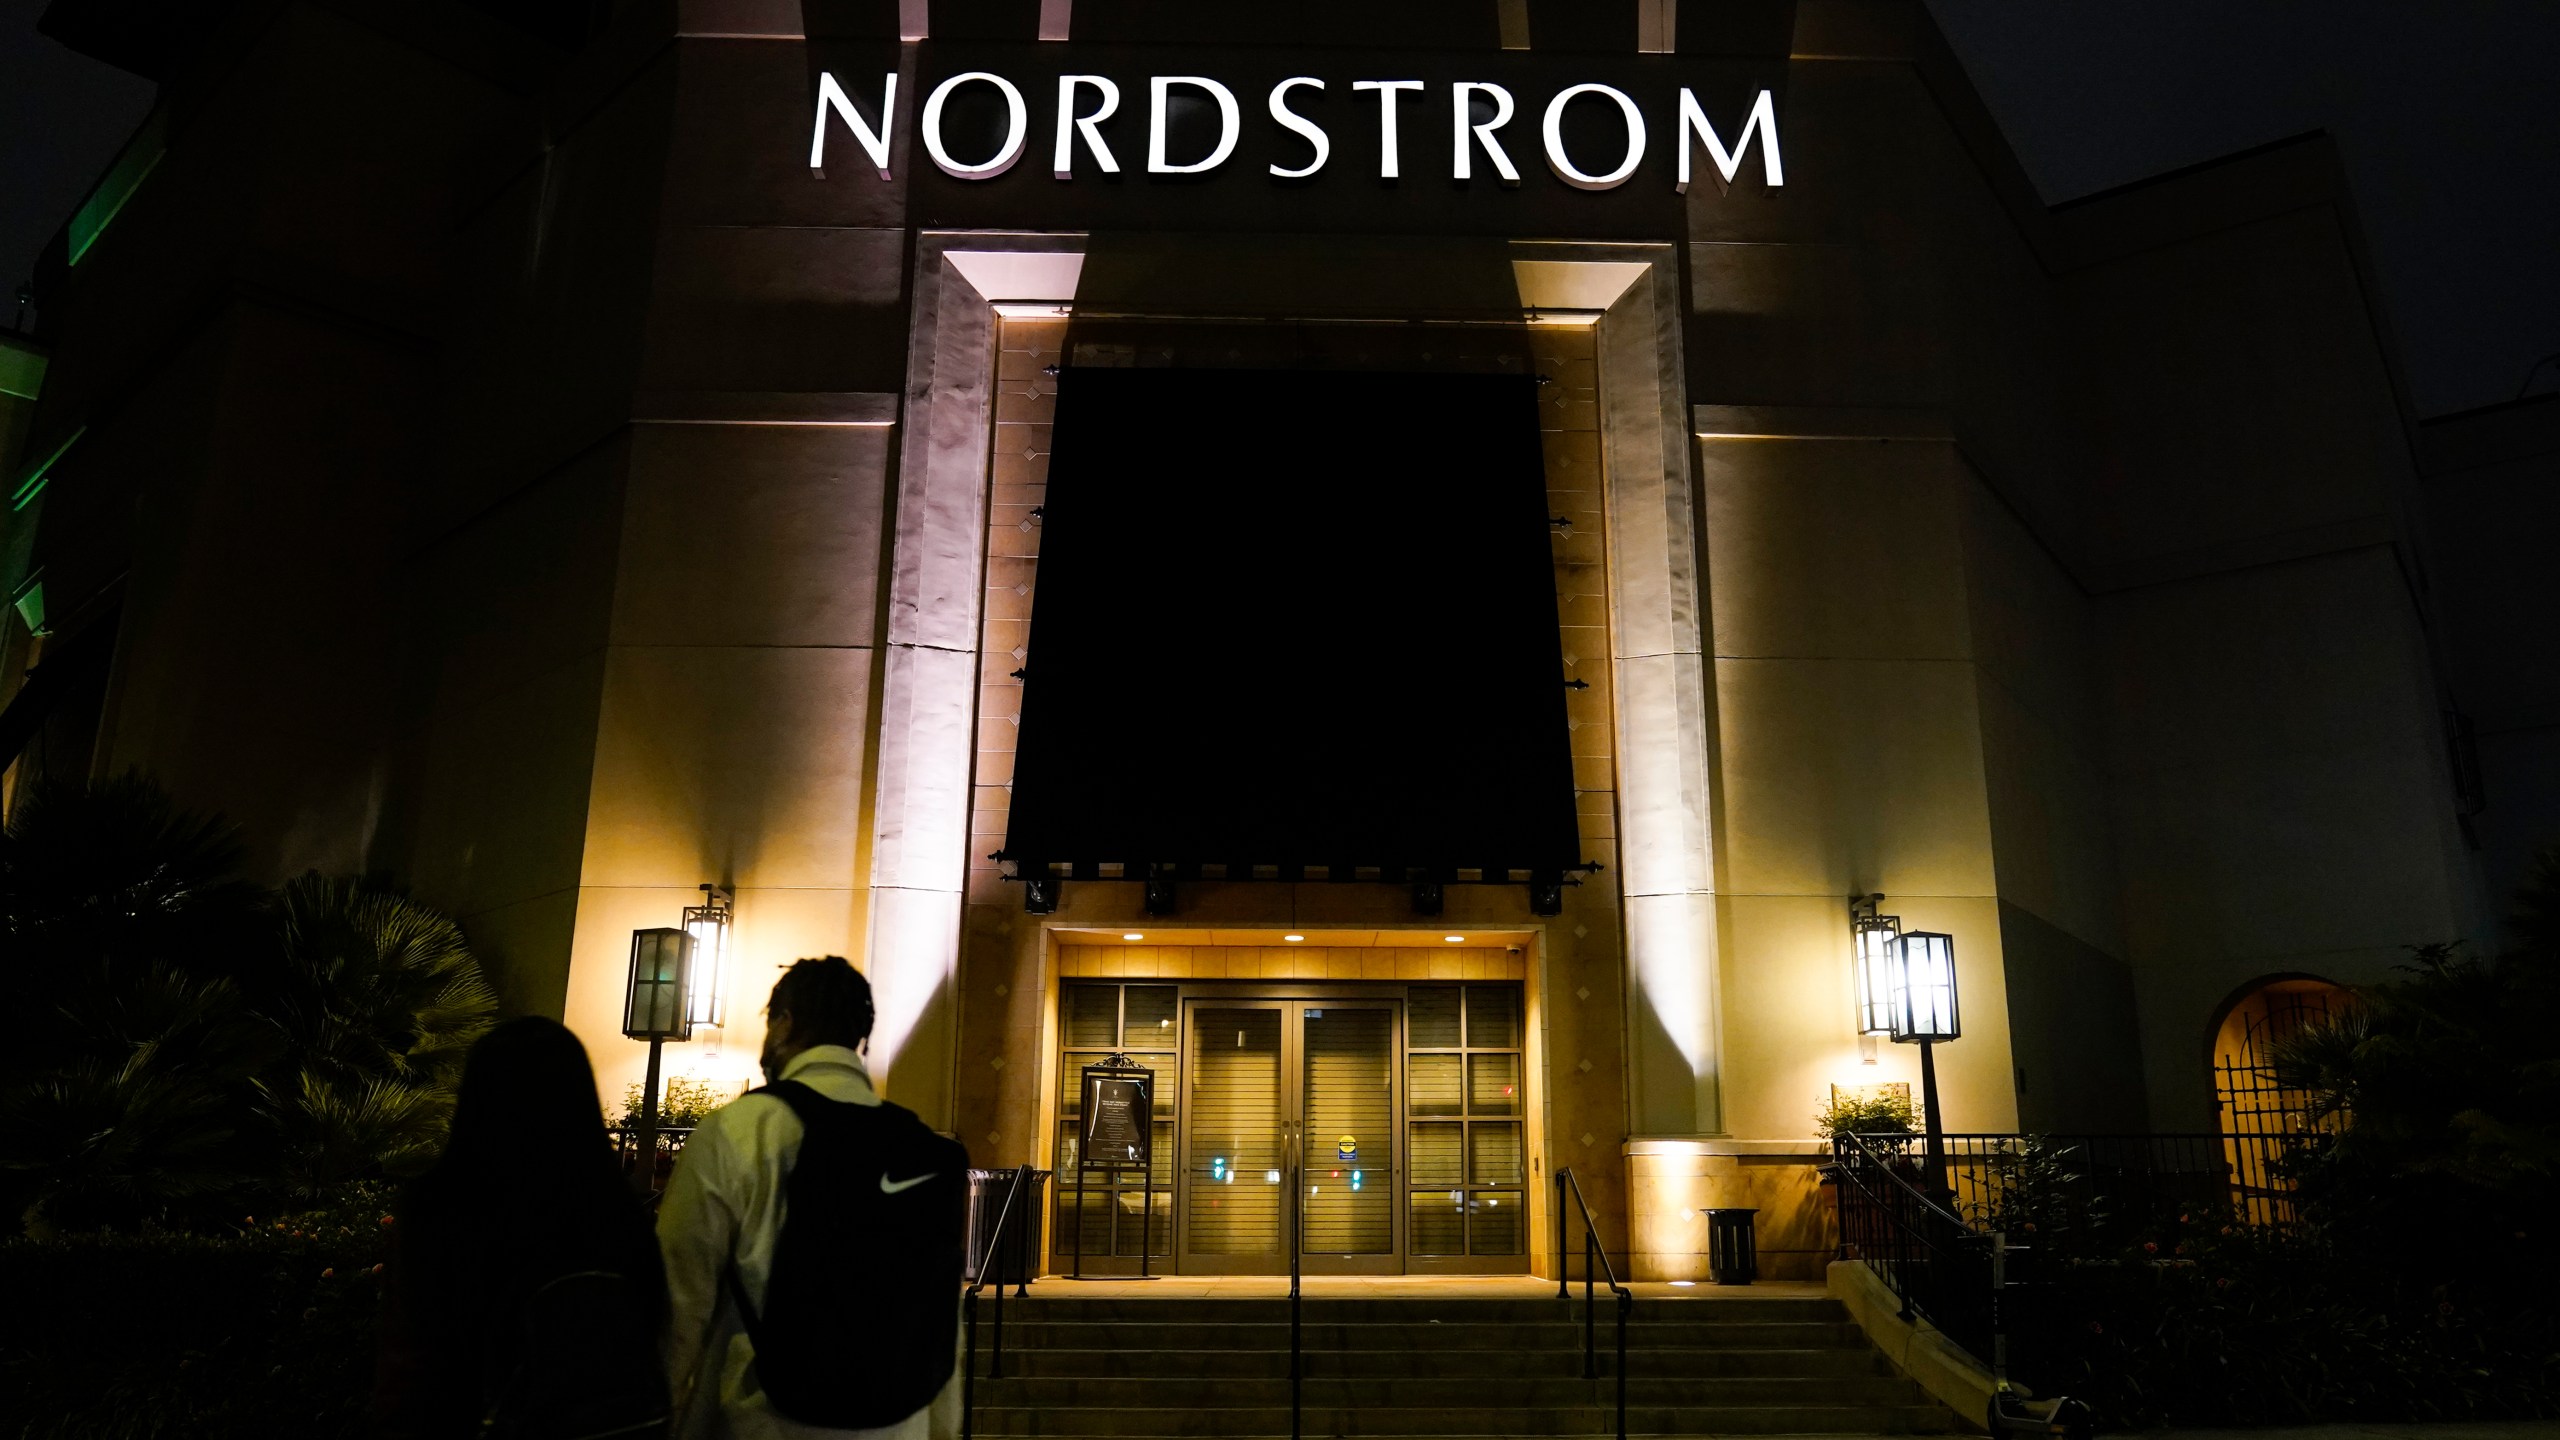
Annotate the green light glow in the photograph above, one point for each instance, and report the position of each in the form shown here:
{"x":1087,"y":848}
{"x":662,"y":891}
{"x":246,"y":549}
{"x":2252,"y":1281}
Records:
{"x":31,"y":484}
{"x":141,"y":156}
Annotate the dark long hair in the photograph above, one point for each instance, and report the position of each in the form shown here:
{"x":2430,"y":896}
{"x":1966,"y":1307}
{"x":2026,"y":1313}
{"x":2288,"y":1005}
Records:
{"x":527,"y":1190}
{"x":525,"y":1117}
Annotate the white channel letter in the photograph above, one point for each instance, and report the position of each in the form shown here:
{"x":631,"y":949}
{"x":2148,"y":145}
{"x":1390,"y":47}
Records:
{"x":831,"y":96}
{"x":1230,"y":124}
{"x":1299,"y":124}
{"x":1017,"y":127}
{"x":1555,"y":139}
{"x":1386,"y":119}
{"x":1763,"y":121}
{"x":1482,"y":134}
{"x":1070,"y":124}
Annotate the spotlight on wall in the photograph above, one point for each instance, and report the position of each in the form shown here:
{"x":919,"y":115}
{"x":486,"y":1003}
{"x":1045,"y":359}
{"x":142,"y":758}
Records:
{"x":1426,"y":896}
{"x":1039,"y":894}
{"x":1160,"y":894}
{"x":1546,"y":892}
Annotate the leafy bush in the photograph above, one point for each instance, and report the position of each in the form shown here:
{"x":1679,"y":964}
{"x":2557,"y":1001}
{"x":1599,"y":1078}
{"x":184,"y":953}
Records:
{"x":218,"y":1047}
{"x":260,"y":1330}
{"x":682,"y":1100}
{"x":1883,"y":1113}
{"x":2415,"y":1282}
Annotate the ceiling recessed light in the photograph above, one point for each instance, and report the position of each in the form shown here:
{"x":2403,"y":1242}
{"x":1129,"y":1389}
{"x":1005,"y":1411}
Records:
{"x":1293,"y":939}
{"x":1684,"y":1284}
{"x":1133,"y":935}
{"x":1455,"y":939}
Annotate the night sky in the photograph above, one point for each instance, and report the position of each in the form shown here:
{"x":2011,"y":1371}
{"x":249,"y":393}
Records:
{"x":2445,"y":110}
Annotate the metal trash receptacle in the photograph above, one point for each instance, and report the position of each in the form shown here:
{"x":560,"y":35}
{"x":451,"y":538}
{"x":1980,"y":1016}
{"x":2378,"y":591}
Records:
{"x":1732,"y":1249}
{"x":987,"y":1191}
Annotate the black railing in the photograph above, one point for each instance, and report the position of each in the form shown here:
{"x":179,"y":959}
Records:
{"x":1937,"y":1266}
{"x":1592,"y":1250}
{"x":992,"y":1260}
{"x":1293,"y":1138}
{"x":2113,"y":1186}
{"x":626,"y":1149}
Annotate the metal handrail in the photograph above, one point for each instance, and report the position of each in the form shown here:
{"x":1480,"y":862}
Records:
{"x":1297,"y":1234}
{"x":991,"y":1257}
{"x":1592,"y":1249}
{"x":1916,"y":1243}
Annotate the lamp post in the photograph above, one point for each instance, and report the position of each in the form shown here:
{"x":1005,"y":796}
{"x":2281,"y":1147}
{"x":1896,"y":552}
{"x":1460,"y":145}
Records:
{"x":657,"y":1009}
{"x":1922,"y":993}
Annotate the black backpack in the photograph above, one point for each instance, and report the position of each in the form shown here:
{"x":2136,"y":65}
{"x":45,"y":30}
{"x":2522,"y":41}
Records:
{"x":863,"y":1304}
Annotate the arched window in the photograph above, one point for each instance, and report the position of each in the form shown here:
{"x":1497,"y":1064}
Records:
{"x":2260,"y":1119}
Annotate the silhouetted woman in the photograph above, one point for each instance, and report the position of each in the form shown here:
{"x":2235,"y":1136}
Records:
{"x":526,"y":1293}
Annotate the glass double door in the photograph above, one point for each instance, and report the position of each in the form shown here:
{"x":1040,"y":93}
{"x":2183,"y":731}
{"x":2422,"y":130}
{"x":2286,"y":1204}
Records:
{"x":1290,"y":1134}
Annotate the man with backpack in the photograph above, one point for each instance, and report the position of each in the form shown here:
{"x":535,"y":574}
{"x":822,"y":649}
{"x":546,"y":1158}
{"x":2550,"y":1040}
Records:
{"x":814,"y":1243}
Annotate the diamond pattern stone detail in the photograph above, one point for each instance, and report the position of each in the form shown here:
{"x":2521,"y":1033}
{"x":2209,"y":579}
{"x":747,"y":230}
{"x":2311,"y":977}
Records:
{"x":1019,"y":652}
{"x":997,"y":1063}
{"x":1003,"y":990}
{"x":1587,"y":1138}
{"x":1586,"y":1069}
{"x":1581,"y":932}
{"x":1021,"y":589}
{"x":1582,"y":992}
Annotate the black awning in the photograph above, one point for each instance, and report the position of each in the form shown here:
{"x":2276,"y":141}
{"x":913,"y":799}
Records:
{"x":1297,"y":619}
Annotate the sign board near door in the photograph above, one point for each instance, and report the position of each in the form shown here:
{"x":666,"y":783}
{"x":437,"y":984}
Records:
{"x":1119,"y":1117}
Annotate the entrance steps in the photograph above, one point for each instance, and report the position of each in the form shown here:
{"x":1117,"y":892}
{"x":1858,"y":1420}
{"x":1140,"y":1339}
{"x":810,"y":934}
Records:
{"x":1442,"y":1368}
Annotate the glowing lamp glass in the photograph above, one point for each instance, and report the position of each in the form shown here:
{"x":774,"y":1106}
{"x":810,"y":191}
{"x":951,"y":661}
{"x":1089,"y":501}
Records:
{"x":707,"y":925}
{"x":1924,"y":988}
{"x":1872,"y":973}
{"x":655,"y":1007}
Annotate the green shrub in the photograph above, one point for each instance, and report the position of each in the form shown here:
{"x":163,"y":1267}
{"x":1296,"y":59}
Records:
{"x":1879,"y":1114}
{"x":682,"y":1100}
{"x":263,"y":1330}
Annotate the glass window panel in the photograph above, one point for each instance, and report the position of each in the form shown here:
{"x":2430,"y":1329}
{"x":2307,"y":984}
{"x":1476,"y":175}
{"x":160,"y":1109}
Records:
{"x":1165,"y":1066}
{"x":1493,"y":1153}
{"x":1150,"y":1018}
{"x":1499,"y":1223}
{"x":1493,"y":1085}
{"x":1127,"y":1229}
{"x":1237,"y":1204}
{"x":1493,"y":1017}
{"x":1432,"y":1017}
{"x":1434,"y":1155}
{"x":1439,"y":1223}
{"x":1092,"y":1016}
{"x":1432,"y":1085}
{"x":1349,"y":1099}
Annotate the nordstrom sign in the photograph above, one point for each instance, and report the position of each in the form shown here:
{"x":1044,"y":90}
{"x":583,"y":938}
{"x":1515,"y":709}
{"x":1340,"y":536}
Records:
{"x":1478,"y":113}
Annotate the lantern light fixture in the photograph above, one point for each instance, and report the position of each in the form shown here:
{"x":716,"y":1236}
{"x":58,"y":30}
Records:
{"x":1871,"y":940}
{"x":1924,"y":989}
{"x":657,"y":1008}
{"x":708,"y":924}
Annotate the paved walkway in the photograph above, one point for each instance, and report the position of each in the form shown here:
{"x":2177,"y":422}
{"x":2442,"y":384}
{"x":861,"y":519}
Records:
{"x":2420,"y":1431}
{"x":1400,"y":1287}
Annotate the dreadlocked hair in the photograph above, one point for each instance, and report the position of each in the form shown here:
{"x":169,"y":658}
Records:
{"x":829,"y":1002}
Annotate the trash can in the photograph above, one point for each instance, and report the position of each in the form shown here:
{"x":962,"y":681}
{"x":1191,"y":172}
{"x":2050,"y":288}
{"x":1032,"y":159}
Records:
{"x":1021,"y":1248}
{"x":1732,"y":1252}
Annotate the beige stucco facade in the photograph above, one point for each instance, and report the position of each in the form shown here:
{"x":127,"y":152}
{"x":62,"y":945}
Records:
{"x":2045,"y":571}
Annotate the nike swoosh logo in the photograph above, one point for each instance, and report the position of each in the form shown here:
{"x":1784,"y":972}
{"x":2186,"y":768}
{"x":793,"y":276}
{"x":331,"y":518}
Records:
{"x":887,"y":1188}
